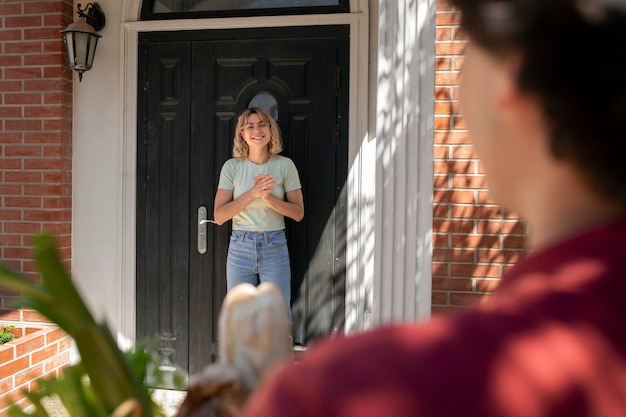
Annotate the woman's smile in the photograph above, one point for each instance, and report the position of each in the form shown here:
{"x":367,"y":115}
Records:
{"x":256,"y":131}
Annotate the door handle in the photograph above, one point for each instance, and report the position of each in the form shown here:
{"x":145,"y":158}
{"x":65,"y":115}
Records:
{"x":202,"y":213}
{"x":202,"y":221}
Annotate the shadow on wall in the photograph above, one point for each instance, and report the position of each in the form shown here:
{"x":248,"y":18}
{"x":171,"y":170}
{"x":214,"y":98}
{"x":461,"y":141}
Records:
{"x":475,"y":241}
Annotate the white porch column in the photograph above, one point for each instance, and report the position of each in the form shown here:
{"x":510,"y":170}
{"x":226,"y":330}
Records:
{"x":404,"y":160}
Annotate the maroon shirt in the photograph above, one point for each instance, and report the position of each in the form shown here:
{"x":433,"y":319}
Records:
{"x":551,"y":342}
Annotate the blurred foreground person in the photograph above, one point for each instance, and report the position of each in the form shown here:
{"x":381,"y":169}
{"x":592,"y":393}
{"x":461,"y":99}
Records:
{"x":543,"y":91}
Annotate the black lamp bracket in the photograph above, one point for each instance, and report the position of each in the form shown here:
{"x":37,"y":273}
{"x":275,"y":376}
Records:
{"x":93,"y":15}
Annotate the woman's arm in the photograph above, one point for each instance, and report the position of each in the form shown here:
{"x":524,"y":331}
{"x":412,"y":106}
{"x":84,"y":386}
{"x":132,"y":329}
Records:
{"x":292,"y":208}
{"x":224,"y":208}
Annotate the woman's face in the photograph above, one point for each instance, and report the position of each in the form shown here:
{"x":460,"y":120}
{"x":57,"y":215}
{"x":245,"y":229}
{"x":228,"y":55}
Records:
{"x":256,"y":133}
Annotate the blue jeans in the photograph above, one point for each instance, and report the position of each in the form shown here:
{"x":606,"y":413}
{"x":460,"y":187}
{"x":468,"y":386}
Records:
{"x":256,"y":257}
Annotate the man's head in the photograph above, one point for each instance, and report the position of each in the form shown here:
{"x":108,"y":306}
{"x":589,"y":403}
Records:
{"x":570,"y":58}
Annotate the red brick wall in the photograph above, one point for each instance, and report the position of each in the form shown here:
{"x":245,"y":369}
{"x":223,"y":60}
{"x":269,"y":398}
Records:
{"x":37,"y":353}
{"x":474,"y":240}
{"x":36,"y":130}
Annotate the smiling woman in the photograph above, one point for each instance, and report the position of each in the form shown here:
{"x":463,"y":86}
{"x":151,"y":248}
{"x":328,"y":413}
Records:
{"x":257,"y":189}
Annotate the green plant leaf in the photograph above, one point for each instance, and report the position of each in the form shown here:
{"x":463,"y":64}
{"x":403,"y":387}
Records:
{"x":74,"y":392}
{"x":6,"y":334}
{"x":112,"y":378}
{"x":56,"y":279}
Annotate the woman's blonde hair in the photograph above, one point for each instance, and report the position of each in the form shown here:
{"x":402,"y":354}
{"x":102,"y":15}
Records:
{"x":240,"y":147}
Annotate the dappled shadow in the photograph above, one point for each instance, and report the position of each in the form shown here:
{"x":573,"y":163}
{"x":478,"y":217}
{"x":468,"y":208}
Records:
{"x":475,"y":241}
{"x":323,"y":299}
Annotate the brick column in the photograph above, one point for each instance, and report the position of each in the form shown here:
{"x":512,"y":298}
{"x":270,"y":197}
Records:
{"x":36,"y":130}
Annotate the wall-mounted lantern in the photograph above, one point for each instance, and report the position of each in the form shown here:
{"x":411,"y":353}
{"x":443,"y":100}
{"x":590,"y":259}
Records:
{"x":81,"y":38}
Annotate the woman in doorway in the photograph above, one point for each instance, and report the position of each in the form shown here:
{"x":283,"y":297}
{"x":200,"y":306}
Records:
{"x":257,"y":189}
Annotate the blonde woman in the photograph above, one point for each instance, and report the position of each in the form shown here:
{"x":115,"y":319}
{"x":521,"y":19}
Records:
{"x":257,"y":189}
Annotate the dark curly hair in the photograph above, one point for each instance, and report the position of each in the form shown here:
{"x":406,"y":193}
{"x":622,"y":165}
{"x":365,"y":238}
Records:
{"x":573,"y":56}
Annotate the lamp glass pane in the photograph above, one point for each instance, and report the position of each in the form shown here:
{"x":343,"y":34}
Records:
{"x":81,"y":42}
{"x":91,"y":52}
{"x":69,"y":43}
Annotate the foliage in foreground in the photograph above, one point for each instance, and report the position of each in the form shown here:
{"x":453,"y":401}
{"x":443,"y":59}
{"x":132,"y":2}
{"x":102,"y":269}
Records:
{"x":106,"y":382}
{"x":6,"y":334}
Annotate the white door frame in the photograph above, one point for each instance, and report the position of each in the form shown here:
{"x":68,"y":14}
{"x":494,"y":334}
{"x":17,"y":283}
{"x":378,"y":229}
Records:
{"x":361,"y":149}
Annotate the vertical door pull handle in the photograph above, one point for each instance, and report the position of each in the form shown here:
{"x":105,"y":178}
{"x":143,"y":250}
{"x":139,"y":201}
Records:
{"x":202,"y":221}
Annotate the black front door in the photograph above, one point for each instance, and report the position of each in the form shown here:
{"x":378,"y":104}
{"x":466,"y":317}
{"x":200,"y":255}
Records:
{"x":192,"y":87}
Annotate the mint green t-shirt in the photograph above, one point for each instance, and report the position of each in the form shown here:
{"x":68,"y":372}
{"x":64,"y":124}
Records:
{"x":238,"y":176}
